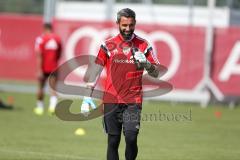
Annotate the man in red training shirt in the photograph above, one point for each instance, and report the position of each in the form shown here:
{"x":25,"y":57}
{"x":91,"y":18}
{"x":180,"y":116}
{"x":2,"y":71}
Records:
{"x":48,"y":49}
{"x":125,"y":57}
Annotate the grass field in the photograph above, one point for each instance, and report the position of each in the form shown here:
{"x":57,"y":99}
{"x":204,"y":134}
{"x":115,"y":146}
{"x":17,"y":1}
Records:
{"x":194,"y":134}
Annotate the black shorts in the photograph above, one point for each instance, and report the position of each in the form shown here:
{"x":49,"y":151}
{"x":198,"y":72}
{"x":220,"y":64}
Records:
{"x":42,"y":80}
{"x":46,"y":75}
{"x":53,"y":74}
{"x":121,"y":116}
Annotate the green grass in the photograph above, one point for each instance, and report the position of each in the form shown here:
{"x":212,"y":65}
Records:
{"x":25,"y":136}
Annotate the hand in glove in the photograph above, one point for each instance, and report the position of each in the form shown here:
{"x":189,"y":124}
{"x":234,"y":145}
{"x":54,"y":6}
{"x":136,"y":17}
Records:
{"x":86,"y":104}
{"x":140,"y":57}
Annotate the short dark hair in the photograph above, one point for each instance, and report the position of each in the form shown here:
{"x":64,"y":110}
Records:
{"x":126,"y":12}
{"x":48,"y":26}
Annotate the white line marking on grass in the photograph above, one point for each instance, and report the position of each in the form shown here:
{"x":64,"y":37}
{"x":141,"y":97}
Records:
{"x":63,"y":156}
{"x":18,"y":88}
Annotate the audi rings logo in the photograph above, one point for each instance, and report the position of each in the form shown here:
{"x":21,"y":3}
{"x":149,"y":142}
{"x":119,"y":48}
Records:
{"x":98,"y":36}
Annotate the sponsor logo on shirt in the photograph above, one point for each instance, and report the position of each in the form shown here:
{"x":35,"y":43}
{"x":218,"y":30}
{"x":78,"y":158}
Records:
{"x":52,"y":45}
{"x":123,"y":61}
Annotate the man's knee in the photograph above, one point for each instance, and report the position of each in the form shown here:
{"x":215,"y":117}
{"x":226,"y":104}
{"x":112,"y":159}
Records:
{"x":114,"y":140}
{"x":131,"y":137}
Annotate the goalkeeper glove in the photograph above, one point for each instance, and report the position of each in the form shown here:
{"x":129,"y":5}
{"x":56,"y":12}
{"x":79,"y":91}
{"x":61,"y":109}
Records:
{"x":140,"y":57}
{"x":86,"y":104}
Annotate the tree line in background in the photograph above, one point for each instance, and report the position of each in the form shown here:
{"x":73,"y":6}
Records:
{"x":230,"y":3}
{"x":36,"y":6}
{"x":22,"y":6}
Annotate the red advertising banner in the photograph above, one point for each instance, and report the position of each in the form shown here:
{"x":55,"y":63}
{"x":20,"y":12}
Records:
{"x":179,"y":48}
{"x":226,"y":61}
{"x":17,"y":36}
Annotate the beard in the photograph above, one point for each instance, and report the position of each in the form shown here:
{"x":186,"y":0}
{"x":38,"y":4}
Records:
{"x":126,"y":36}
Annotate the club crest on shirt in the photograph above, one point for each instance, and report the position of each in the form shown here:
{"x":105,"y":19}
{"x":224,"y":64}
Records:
{"x":115,"y":51}
{"x":126,"y":50}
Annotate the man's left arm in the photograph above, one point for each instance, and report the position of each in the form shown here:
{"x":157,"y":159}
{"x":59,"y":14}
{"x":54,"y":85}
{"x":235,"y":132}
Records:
{"x":152,"y":69}
{"x":59,"y":50}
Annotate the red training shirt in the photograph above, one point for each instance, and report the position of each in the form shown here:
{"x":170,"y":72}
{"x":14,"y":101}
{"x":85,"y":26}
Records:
{"x":124,"y":82}
{"x":49,"y":46}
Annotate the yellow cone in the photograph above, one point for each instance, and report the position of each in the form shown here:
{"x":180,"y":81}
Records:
{"x":80,"y":132}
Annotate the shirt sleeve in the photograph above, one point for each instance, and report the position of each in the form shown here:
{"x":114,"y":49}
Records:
{"x":102,"y":56}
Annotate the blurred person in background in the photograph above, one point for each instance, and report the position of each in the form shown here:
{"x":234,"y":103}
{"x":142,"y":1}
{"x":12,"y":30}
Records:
{"x":48,"y":48}
{"x":8,"y":105}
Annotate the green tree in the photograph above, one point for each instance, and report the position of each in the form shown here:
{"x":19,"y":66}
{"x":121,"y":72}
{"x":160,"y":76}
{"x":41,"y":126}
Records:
{"x":22,"y":6}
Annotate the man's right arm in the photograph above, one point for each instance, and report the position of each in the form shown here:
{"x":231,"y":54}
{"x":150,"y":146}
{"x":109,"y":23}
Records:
{"x":39,"y":65}
{"x":96,"y":65}
{"x":93,"y":72}
{"x":95,"y":68}
{"x":39,"y":56}
{"x":92,"y":76}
